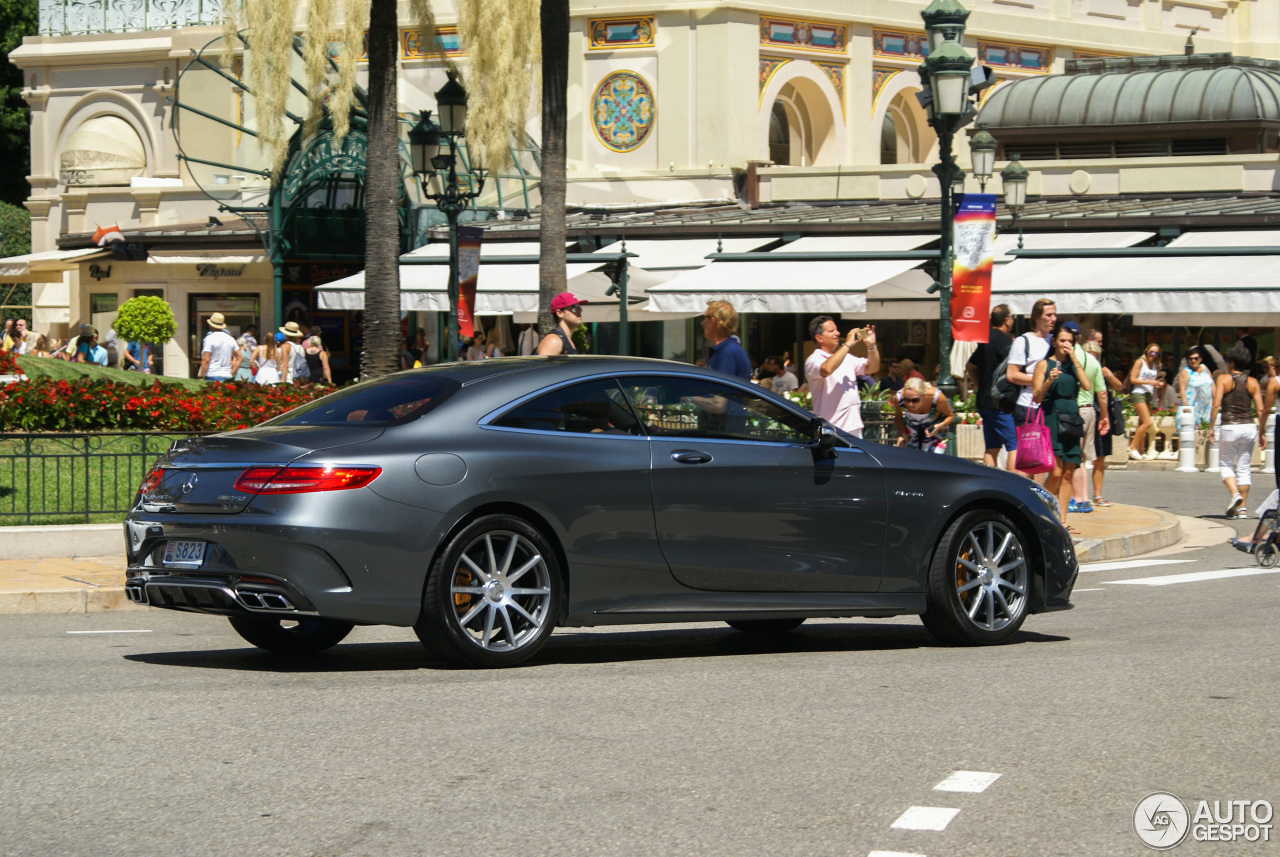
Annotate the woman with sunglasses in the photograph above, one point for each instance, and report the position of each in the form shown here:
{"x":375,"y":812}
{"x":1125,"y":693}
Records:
{"x":1056,"y":386}
{"x":921,"y":414}
{"x":1195,"y":386}
{"x":1145,"y":384}
{"x":568,"y":312}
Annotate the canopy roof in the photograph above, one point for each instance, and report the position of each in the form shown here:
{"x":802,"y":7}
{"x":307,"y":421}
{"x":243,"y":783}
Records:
{"x":1125,"y":91}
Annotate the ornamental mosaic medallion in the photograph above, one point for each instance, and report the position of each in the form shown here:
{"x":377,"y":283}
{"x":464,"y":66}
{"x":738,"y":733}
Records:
{"x":623,"y":111}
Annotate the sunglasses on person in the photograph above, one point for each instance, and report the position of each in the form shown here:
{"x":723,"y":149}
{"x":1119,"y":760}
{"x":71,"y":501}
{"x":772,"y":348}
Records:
{"x":1154,"y":352}
{"x":576,"y":309}
{"x":1191,"y":357}
{"x":907,"y":401}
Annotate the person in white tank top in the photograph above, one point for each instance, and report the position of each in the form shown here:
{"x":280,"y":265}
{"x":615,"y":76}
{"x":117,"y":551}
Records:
{"x":1144,"y":379}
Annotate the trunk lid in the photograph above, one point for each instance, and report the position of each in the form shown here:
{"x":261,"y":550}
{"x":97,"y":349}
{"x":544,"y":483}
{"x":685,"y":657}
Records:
{"x":200,"y":474}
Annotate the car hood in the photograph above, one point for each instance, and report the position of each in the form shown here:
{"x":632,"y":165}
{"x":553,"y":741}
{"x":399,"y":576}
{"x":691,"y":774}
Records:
{"x":200,"y":473}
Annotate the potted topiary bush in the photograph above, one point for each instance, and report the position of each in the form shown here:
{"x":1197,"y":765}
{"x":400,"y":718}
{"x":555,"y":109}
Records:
{"x":145,"y":319}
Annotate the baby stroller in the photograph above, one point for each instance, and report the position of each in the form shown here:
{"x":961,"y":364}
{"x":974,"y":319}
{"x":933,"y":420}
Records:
{"x":1265,"y":545}
{"x":1266,"y":550}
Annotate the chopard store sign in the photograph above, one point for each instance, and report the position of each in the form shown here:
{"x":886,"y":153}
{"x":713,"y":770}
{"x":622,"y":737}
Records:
{"x":217,"y":272}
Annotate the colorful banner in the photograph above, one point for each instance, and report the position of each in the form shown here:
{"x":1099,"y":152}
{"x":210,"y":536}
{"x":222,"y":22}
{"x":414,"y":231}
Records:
{"x":468,"y":272}
{"x":975,"y":227}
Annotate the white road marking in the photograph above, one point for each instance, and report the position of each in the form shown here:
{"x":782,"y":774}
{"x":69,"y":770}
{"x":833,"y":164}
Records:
{"x":1197,"y":576}
{"x":108,"y":632}
{"x":1074,"y":591}
{"x":967,"y":781}
{"x":893,"y":854}
{"x":925,"y":818}
{"x":1130,"y":563}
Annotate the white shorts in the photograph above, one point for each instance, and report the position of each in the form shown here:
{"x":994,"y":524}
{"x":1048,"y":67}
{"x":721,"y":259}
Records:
{"x":1090,"y":417}
{"x":1235,"y":451}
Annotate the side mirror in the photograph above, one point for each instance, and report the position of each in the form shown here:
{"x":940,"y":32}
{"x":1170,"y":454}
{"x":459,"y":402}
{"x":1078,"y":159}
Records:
{"x":823,"y":440}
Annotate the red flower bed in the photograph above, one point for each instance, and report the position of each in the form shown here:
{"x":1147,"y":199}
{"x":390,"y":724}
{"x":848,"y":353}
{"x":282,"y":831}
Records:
{"x":84,"y":405}
{"x":9,"y":364}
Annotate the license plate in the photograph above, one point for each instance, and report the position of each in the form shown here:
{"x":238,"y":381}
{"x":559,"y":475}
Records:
{"x":184,"y":553}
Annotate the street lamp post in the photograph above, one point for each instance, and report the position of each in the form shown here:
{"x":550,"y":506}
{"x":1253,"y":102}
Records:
{"x":946,"y":74}
{"x":428,"y":162}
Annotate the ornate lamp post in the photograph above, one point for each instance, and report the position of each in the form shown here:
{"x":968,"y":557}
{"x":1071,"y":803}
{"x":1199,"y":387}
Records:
{"x":946,"y":74}
{"x":428,"y":162}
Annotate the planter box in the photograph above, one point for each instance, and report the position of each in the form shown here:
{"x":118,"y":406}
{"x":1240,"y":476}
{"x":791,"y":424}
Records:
{"x":969,"y":442}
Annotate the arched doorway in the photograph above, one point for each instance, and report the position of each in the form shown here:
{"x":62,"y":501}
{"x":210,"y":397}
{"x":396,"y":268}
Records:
{"x":779,"y":135}
{"x":905,"y":136}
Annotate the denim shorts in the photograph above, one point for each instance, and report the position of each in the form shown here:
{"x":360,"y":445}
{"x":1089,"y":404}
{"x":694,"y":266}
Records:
{"x":998,"y":429}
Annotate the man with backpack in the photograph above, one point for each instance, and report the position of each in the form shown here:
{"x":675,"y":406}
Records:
{"x":997,"y":426}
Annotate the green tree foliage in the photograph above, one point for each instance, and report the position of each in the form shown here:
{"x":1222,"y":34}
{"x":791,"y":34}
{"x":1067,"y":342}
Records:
{"x":145,"y":319}
{"x":15,"y":228}
{"x":18,"y":18}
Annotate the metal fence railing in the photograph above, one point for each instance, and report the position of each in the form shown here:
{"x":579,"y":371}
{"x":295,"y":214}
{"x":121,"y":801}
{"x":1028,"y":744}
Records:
{"x":75,"y":478}
{"x":71,"y":17}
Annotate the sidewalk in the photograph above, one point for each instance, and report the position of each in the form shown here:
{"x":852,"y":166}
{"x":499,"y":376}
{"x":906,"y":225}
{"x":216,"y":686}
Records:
{"x":88,"y":584}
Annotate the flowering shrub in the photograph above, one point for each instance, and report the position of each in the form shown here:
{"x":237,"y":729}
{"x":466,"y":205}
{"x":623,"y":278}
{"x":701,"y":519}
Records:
{"x":9,"y":364}
{"x":90,"y":405}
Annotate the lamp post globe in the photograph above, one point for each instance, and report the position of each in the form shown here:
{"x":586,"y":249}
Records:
{"x":451,"y":105}
{"x":982,"y":150}
{"x":948,"y":69}
{"x":1014,"y":180}
{"x":944,"y":20}
{"x":424,"y":144}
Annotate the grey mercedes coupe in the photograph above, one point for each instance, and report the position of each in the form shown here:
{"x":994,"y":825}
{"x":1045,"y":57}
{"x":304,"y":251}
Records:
{"x":486,"y":503}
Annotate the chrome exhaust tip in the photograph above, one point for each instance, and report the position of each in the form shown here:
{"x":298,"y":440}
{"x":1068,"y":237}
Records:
{"x":275,"y":601}
{"x":257,"y":600}
{"x":252,"y":600}
{"x":136,"y":593}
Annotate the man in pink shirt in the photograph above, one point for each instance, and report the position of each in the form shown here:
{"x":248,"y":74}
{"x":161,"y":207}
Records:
{"x":832,"y":372}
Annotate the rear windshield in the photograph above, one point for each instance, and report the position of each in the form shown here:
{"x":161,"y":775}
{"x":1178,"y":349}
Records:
{"x":391,"y":400}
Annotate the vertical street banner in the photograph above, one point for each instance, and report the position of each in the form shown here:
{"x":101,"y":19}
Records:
{"x":975,"y":227}
{"x":469,"y":238}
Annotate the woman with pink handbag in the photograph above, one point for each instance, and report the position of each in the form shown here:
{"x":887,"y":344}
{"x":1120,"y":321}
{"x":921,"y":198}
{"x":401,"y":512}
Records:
{"x":1057,"y":382}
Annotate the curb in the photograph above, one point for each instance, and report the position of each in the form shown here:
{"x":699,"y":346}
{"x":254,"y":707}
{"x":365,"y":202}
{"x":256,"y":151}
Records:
{"x":1166,"y":533}
{"x":61,"y":540}
{"x":67,"y":601}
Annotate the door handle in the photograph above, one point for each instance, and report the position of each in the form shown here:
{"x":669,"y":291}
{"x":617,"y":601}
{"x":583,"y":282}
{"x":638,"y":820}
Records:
{"x":690,"y":456}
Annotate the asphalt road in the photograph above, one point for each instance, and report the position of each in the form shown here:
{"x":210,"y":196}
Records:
{"x":644,"y":741}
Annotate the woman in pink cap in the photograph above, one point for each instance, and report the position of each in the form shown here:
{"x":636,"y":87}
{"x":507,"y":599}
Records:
{"x":568,"y":312}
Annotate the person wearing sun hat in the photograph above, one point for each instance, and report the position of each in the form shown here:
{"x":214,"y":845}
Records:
{"x":298,"y":369}
{"x":219,"y":357}
{"x":568,"y":312}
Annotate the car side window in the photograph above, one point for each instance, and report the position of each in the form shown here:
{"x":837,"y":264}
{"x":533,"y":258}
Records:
{"x":592,"y":407}
{"x":677,"y":406}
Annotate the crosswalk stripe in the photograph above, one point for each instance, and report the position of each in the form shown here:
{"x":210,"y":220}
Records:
{"x":967,"y":781}
{"x":1130,"y":563}
{"x":893,"y":854}
{"x":1196,"y":576}
{"x":925,"y":818}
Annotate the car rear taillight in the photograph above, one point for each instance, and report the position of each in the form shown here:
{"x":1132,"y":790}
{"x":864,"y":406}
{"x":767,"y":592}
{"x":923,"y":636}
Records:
{"x":151,"y":480}
{"x":304,"y":479}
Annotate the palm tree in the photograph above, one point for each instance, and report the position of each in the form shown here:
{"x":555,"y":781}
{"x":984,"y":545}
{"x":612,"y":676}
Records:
{"x":552,"y":277}
{"x":381,"y":354}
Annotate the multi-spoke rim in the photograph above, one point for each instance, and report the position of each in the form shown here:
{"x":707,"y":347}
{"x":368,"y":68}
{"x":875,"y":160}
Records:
{"x":500,"y":591}
{"x":1267,"y":555}
{"x":991,"y":576}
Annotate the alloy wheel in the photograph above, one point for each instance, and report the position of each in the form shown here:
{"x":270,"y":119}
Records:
{"x":500,"y":591}
{"x":991,"y":575}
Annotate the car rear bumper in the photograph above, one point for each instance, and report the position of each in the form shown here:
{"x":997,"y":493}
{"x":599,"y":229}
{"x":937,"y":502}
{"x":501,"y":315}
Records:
{"x":218,"y":594}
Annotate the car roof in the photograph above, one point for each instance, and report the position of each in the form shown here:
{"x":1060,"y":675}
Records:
{"x":559,"y":366}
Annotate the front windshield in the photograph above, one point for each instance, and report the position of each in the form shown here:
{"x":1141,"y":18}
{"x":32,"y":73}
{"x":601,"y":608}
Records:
{"x":391,"y":400}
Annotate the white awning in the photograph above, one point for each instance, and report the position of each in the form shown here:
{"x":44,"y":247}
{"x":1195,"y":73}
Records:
{"x":206,"y":257}
{"x":682,"y":254}
{"x":831,"y":287}
{"x":1248,"y":238}
{"x":1185,"y":286}
{"x":500,"y":289}
{"x":1064,"y":240}
{"x":46,"y":267}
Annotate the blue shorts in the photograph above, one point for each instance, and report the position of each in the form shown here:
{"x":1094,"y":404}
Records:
{"x":998,"y":429}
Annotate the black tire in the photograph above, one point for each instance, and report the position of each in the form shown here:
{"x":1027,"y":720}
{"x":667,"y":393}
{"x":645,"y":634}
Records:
{"x":979,"y":581}
{"x":473,"y":614}
{"x":304,"y":635}
{"x":764,"y":626}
